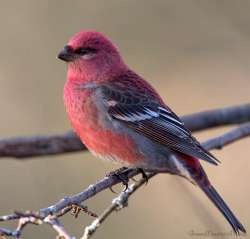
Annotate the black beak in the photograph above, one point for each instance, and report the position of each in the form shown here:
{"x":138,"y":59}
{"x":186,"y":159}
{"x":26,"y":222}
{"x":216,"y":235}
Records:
{"x":67,"y":54}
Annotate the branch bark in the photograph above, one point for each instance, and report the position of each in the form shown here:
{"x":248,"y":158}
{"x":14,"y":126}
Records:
{"x":26,"y":147}
{"x":218,"y":117}
{"x":228,"y":138}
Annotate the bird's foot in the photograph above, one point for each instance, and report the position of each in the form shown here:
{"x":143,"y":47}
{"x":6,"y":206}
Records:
{"x":120,"y":174}
{"x":144,"y":175}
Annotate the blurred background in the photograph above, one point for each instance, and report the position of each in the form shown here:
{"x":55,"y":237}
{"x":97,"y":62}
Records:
{"x":195,"y":53}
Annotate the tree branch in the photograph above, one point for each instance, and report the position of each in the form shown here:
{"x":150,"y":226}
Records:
{"x":51,"y":214}
{"x":26,"y":147}
{"x":228,"y":138}
{"x":218,"y":117}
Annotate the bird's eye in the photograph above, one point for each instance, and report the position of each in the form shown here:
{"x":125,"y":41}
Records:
{"x":85,"y":51}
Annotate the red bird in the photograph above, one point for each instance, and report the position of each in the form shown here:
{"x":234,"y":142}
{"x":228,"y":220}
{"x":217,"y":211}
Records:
{"x":120,"y":117}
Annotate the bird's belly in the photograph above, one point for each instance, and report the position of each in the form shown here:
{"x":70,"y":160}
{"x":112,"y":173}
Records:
{"x":97,"y":131}
{"x":110,"y":145}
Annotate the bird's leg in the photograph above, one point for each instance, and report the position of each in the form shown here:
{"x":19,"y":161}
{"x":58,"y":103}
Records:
{"x":144,"y":175}
{"x":120,"y":174}
{"x":142,"y":172}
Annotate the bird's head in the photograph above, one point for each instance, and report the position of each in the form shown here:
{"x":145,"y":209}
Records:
{"x":90,"y":54}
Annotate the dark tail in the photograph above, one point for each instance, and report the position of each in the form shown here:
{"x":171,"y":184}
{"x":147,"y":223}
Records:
{"x":210,"y":191}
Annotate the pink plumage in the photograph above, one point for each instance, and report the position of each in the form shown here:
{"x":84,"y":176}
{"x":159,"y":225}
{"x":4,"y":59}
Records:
{"x":120,"y":117}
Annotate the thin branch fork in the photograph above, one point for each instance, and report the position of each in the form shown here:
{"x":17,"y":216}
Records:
{"x":50,"y":215}
{"x":118,"y":203}
{"x":26,"y":147}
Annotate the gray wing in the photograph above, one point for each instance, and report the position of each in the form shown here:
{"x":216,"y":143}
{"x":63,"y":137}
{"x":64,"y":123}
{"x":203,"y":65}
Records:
{"x":147,"y":116}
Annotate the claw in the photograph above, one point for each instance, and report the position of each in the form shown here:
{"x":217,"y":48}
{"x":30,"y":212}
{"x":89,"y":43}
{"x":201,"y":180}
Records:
{"x":126,"y":186}
{"x":144,"y":175}
{"x":120,"y":176}
{"x":117,"y":171}
{"x":112,"y":190}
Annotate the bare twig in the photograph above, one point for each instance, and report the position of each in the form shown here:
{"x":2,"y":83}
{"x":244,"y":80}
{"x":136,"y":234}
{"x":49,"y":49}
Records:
{"x":33,"y":218}
{"x":23,"y":220}
{"x":26,"y":147}
{"x":117,"y":204}
{"x":58,"y":227}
